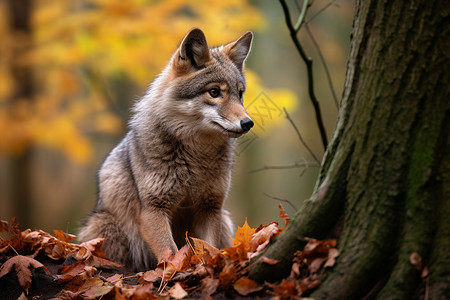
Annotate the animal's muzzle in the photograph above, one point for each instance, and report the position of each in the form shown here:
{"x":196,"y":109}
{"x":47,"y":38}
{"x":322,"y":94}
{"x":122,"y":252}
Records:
{"x":246,"y":124}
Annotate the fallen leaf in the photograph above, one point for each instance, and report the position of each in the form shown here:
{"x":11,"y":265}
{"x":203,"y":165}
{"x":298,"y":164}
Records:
{"x":331,"y":260}
{"x":245,"y":286}
{"x":269,"y":261}
{"x":227,"y":276}
{"x":316,"y":263}
{"x":94,"y":246}
{"x":287,"y":289}
{"x":262,"y":238}
{"x":4,"y":225}
{"x":209,"y":286}
{"x":66,"y":273}
{"x":201,"y":247}
{"x":22,"y":297}
{"x":244,"y":235}
{"x":416,"y":261}
{"x":114,"y":278}
{"x":317,"y":246}
{"x":97,"y":290}
{"x":177,"y":291}
{"x":283,"y":215}
{"x":149,"y":276}
{"x":63,"y":236}
{"x":21,"y":265}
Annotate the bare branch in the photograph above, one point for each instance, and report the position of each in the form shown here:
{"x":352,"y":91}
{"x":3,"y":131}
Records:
{"x":321,"y":10}
{"x":308,"y":61}
{"x":297,"y":164}
{"x":282,"y":200}
{"x":300,"y":136}
{"x":324,"y":63}
{"x":301,"y":17}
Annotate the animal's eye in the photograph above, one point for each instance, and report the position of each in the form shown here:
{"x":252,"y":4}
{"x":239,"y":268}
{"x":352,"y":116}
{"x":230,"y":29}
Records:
{"x":214,"y":92}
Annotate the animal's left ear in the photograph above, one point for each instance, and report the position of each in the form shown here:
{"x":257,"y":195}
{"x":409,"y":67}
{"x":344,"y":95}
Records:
{"x":237,"y":51}
{"x":194,"y":48}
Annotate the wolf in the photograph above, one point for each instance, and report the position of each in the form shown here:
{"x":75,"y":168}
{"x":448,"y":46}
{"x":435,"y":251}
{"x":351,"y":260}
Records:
{"x":171,"y":173}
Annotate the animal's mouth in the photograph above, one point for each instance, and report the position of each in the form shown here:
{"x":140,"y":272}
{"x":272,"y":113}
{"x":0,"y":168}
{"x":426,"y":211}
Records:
{"x":230,"y":133}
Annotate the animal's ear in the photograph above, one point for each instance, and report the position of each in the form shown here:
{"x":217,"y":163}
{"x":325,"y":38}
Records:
{"x":237,"y":51}
{"x":194,"y":48}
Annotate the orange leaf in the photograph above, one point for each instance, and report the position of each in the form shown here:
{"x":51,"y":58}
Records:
{"x":245,"y":286}
{"x":283,"y":215}
{"x":244,"y":235}
{"x":202,"y":250}
{"x":65,"y":237}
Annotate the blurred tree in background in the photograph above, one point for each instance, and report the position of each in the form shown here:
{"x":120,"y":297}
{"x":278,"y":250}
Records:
{"x":70,"y":71}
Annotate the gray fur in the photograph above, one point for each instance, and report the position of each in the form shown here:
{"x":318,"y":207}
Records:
{"x":172,"y":171}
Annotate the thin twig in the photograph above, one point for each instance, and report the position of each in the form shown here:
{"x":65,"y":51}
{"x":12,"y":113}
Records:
{"x":301,"y":17}
{"x":308,"y":61}
{"x":300,"y":136}
{"x":324,"y":63}
{"x":321,"y":10}
{"x":297,"y":164}
{"x":282,"y":200}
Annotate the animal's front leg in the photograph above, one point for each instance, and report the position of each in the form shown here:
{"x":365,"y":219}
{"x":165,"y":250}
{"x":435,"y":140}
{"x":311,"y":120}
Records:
{"x":216,"y":229}
{"x":156,"y":232}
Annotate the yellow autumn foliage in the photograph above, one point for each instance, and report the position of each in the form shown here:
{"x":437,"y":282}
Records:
{"x":78,"y":46}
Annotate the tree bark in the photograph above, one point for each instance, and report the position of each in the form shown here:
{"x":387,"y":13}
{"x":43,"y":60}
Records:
{"x":384,"y":184}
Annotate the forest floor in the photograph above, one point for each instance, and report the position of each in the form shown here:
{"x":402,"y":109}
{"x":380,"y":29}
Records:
{"x":37,"y":265}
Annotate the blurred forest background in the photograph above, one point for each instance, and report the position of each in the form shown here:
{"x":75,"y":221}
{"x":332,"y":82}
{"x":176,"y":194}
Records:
{"x":70,"y":70}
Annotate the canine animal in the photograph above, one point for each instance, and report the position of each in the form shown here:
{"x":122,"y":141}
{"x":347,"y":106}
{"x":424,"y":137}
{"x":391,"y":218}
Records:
{"x":171,"y":172}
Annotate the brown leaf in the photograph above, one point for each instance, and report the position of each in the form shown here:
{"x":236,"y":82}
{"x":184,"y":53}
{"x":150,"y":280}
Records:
{"x":99,"y":262}
{"x":149,"y":276}
{"x":227,"y":276}
{"x":177,"y":291}
{"x":317,"y":246}
{"x":416,"y":261}
{"x":262,"y":238}
{"x":287,"y":289}
{"x":269,"y":261}
{"x":201,"y":248}
{"x":94,"y":246}
{"x":316,"y":263}
{"x":4,"y":225}
{"x":21,"y":265}
{"x":66,"y":273}
{"x":209,"y":286}
{"x":331,"y":260}
{"x":245,"y":286}
{"x":65,"y":237}
{"x":114,"y":278}
{"x":95,"y":289}
{"x":22,"y":297}
{"x":236,"y":253}
{"x":283,"y":215}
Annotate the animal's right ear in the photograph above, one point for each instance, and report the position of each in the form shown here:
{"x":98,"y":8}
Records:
{"x":194,"y":48}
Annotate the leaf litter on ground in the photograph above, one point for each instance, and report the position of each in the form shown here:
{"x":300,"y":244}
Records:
{"x":197,"y":270}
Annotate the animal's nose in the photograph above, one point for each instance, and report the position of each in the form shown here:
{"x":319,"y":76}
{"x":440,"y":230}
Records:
{"x":246,"y":124}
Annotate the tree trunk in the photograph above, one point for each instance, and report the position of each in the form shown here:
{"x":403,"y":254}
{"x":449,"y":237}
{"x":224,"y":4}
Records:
{"x":384,"y":185}
{"x":20,"y":17}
